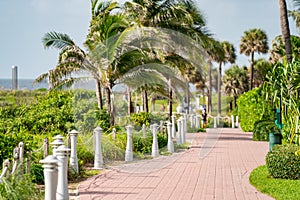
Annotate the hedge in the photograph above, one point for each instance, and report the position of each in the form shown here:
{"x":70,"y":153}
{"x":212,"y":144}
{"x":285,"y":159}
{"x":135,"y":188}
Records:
{"x":283,"y":162}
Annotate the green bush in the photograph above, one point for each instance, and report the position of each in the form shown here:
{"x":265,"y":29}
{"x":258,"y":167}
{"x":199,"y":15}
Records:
{"x":283,"y":162}
{"x":141,"y":118}
{"x":262,"y":129}
{"x":252,"y":107}
{"x":37,"y":173}
{"x":19,"y":186}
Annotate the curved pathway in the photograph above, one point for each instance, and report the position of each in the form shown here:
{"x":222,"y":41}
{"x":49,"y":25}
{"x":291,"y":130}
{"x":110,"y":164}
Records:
{"x":217,"y":166}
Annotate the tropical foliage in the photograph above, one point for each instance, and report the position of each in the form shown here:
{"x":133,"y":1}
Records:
{"x":236,"y":81}
{"x":281,"y":89}
{"x":252,"y":107}
{"x":253,"y":40}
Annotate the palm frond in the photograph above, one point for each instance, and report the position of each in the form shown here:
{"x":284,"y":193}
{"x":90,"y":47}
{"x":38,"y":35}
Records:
{"x":57,"y":40}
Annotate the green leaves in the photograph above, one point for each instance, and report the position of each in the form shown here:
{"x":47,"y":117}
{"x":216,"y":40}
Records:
{"x":57,"y":40}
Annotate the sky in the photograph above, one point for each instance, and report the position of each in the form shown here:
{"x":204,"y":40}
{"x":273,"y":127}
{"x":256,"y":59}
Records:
{"x":23,"y":23}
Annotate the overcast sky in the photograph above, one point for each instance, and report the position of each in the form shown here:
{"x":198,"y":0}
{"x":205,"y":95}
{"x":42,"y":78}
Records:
{"x":24,"y":22}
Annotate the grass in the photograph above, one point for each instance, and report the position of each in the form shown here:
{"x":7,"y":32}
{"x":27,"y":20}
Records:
{"x":280,"y":189}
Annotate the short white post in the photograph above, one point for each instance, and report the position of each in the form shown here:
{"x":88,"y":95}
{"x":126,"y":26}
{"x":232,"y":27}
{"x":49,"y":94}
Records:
{"x":50,"y":164}
{"x":98,"y":161}
{"x":144,"y":130}
{"x":16,"y":160}
{"x":170,"y":141}
{"x":192,"y":120}
{"x":21,"y":155}
{"x":5,"y":168}
{"x":62,"y":192}
{"x":185,"y":122}
{"x":197,"y":121}
{"x":58,"y":141}
{"x":161,"y":126}
{"x":155,"y":150}
{"x":128,"y":152}
{"x":237,"y":121}
{"x":215,"y":122}
{"x":114,"y":133}
{"x":179,"y":126}
{"x":173,"y":126}
{"x":183,"y":131}
{"x":232,"y":121}
{"x":73,"y":157}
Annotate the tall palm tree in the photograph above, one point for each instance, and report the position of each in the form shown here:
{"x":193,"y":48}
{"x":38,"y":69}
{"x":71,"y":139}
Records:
{"x":285,"y":29}
{"x":253,"y":40}
{"x":236,"y":81}
{"x":229,"y":56}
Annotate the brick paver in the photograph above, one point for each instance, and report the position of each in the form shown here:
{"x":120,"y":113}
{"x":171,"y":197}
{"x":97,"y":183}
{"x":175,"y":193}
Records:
{"x":217,"y":166}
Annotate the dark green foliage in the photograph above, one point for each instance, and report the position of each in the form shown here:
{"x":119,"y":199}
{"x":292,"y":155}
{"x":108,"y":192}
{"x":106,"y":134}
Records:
{"x":162,"y":141}
{"x":142,"y":145}
{"x":37,"y":173}
{"x":87,"y":116}
{"x":252,"y":107}
{"x":282,"y":162}
{"x":262,"y":128}
{"x":141,"y":118}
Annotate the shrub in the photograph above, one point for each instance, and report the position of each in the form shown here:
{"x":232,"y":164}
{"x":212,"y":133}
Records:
{"x":252,"y":107}
{"x":37,"y":173}
{"x":283,"y":162}
{"x":262,"y":129}
{"x":141,"y":118}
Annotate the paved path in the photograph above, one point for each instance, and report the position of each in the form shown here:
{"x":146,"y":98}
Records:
{"x":217,"y":166}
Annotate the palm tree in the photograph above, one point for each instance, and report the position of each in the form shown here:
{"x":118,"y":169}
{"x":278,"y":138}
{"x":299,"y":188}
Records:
{"x":181,"y":16}
{"x":229,"y":56}
{"x":236,"y":81}
{"x":261,"y":68}
{"x":285,"y":29}
{"x":253,"y":40}
{"x":277,"y":51}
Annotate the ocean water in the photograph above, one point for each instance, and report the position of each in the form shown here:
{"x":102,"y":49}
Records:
{"x":23,"y":84}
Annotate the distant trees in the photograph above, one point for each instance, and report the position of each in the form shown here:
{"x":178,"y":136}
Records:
{"x":253,"y":40}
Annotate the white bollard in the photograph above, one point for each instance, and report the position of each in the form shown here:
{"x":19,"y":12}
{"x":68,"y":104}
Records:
{"x":98,"y":161}
{"x":73,"y":157}
{"x":197,"y":121}
{"x":183,"y":131}
{"x":155,"y":150}
{"x":215,"y":122}
{"x":114,"y":133}
{"x":5,"y":169}
{"x":58,"y":141}
{"x":232,"y":121}
{"x":62,"y":192}
{"x":50,"y":164}
{"x":185,"y":122}
{"x":237,"y":121}
{"x":170,"y":142}
{"x":179,"y":126}
{"x":129,"y":153}
{"x":173,"y":126}
{"x":192,"y":120}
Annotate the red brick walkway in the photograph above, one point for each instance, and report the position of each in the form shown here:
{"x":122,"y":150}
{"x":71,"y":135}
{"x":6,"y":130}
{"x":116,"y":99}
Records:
{"x":216,"y":167}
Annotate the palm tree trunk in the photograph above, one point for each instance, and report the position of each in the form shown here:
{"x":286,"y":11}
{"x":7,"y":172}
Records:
{"x":285,"y":30}
{"x":209,"y":91}
{"x":251,"y":70}
{"x":99,"y":95}
{"x":109,"y":106}
{"x":170,"y":101}
{"x":219,"y":89}
{"x":145,"y":101}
